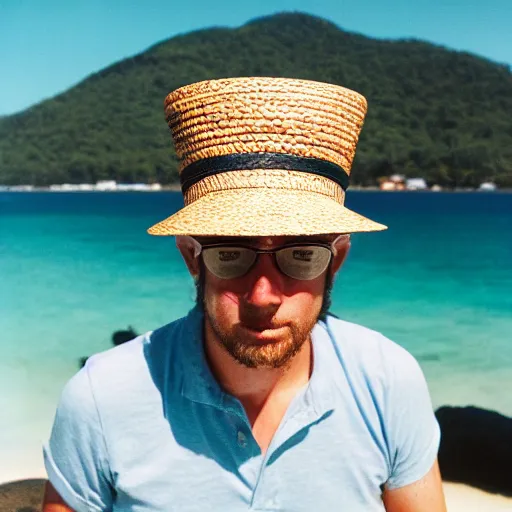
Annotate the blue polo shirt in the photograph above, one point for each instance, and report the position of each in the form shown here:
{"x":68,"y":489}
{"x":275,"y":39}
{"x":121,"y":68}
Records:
{"x":145,"y":427}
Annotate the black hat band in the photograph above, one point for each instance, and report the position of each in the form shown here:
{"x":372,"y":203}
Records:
{"x":201,"y":169}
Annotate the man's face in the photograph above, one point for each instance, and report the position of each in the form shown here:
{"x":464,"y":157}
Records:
{"x":264,"y":317}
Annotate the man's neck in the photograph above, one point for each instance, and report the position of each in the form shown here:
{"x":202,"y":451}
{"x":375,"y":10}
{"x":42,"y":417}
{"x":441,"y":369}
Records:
{"x":256,"y":387}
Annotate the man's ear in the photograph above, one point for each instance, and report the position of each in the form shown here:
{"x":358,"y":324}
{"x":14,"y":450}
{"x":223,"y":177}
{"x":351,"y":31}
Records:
{"x":341,"y":247}
{"x":190,"y":250}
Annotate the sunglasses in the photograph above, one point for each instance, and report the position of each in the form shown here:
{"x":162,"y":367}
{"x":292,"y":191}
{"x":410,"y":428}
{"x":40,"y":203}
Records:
{"x":299,"y":261}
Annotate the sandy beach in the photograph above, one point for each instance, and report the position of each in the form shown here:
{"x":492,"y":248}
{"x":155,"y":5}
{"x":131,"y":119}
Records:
{"x":462,"y":498}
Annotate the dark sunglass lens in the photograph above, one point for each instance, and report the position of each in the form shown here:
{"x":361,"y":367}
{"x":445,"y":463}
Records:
{"x":303,"y":262}
{"x":228,"y":262}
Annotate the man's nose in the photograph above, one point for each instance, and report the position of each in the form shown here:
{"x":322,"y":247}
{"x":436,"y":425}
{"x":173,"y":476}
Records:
{"x":265,"y":282}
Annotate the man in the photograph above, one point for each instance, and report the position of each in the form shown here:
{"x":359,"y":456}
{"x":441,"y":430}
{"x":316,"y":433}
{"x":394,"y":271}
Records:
{"x":258,"y":399}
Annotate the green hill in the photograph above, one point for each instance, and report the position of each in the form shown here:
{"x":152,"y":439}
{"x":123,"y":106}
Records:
{"x":436,"y":113}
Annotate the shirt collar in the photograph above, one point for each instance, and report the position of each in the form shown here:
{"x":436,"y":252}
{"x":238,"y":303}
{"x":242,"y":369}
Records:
{"x":199,"y":384}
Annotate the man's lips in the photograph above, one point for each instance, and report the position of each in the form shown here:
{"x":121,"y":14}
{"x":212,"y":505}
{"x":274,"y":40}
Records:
{"x":262,"y":326}
{"x":264,"y":332}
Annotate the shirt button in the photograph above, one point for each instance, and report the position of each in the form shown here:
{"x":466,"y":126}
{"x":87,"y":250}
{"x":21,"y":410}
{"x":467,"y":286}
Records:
{"x":242,"y":439}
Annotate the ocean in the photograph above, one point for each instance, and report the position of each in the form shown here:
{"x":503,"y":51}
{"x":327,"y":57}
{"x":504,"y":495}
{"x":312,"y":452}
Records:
{"x":74,"y":267}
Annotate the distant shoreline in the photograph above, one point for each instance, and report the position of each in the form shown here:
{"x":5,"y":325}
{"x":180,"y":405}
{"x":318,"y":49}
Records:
{"x":177,"y":188}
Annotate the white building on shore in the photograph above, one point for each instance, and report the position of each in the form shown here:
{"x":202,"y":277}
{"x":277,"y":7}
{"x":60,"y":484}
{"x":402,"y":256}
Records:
{"x":100,"y":186}
{"x":416,"y":184}
{"x":487,"y":187}
{"x":106,"y":185}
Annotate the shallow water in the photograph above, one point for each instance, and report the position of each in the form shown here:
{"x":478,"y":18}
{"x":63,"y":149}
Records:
{"x":74,"y":267}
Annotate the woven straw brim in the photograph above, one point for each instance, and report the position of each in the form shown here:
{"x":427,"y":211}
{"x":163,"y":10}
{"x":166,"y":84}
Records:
{"x":264,"y":212}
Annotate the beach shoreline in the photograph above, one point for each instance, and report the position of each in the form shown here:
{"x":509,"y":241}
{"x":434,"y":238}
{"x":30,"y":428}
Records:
{"x":176,"y":187}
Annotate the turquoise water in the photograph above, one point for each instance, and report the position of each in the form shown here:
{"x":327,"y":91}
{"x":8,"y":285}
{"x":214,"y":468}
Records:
{"x":75,"y":267}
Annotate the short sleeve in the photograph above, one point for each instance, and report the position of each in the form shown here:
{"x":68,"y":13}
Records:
{"x":76,"y":457}
{"x":412,"y":429}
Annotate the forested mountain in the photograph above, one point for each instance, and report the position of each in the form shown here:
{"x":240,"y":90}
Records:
{"x":433,"y":112}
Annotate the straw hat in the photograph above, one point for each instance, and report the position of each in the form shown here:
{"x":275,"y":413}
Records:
{"x":264,"y":157}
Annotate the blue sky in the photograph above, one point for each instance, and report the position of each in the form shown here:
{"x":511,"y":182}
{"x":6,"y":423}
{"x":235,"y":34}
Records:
{"x":46,"y":46}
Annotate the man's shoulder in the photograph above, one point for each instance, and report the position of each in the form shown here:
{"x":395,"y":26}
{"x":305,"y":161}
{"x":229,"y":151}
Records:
{"x":379,"y":374}
{"x":134,"y":367}
{"x":358,"y":337}
{"x":367,"y":350}
{"x":134,"y":351}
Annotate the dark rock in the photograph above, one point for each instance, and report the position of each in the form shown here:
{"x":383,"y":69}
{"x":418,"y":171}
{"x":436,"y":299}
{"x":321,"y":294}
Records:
{"x":476,"y":448}
{"x":120,"y":337}
{"x":22,"y":496}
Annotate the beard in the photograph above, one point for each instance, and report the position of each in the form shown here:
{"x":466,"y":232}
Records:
{"x":274,"y":354}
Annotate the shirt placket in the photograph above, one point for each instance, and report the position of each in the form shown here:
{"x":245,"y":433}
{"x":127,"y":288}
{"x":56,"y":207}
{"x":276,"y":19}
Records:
{"x":266,"y":492}
{"x":248,"y":454}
